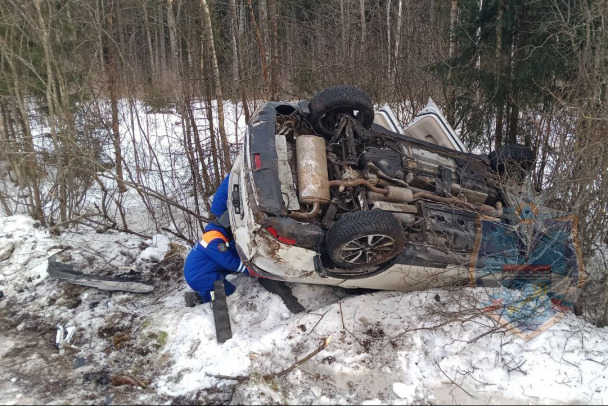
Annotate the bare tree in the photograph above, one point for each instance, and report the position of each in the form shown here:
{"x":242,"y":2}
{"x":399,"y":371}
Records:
{"x":236,"y":58}
{"x":112,"y":73}
{"x":218,"y":86}
{"x":274,"y":49}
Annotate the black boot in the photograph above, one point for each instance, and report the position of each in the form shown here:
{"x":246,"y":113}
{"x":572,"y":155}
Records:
{"x":192,"y":299}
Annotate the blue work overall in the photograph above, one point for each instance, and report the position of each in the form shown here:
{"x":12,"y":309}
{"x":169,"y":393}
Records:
{"x":212,"y":259}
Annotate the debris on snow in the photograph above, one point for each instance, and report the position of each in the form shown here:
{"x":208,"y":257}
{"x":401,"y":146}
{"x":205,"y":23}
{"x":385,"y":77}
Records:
{"x":67,"y":273}
{"x":64,"y":335}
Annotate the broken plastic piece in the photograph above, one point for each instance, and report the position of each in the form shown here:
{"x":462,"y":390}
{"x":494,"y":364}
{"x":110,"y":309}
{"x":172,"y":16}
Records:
{"x":64,"y":335}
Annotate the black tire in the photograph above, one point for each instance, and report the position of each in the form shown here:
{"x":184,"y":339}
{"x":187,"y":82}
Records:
{"x":365,"y":239}
{"x":329,"y":104}
{"x":512,"y":159}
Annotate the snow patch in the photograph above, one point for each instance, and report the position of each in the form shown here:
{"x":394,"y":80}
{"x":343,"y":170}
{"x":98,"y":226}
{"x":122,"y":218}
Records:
{"x":159,"y":245}
{"x":404,"y":391}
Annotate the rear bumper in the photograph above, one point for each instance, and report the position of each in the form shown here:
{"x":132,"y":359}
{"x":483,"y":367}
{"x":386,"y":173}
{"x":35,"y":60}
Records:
{"x":260,"y":142}
{"x":259,"y":250}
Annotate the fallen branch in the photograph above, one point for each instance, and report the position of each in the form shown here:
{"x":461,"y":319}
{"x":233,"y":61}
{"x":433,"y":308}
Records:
{"x":323,"y":345}
{"x":243,"y":378}
{"x":497,"y":329}
{"x":178,"y":235}
{"x":120,"y":380}
{"x":518,"y":367}
{"x":347,"y":330}
{"x":319,"y":321}
{"x":138,"y":381}
{"x":432,"y":327}
{"x":451,"y":380}
{"x":597,"y":362}
{"x":55,"y":228}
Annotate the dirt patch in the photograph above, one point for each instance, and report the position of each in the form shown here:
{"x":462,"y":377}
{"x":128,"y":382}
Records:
{"x":67,"y":295}
{"x":7,"y":251}
{"x":108,"y":342}
{"x":119,"y":339}
{"x":169,"y":269}
{"x":114,"y":323}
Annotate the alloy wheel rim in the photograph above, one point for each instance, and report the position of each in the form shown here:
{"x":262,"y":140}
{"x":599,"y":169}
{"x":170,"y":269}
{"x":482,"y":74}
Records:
{"x":367,"y":249}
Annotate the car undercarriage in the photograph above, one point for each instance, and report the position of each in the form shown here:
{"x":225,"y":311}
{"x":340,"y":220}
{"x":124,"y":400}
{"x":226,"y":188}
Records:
{"x":363,"y":196}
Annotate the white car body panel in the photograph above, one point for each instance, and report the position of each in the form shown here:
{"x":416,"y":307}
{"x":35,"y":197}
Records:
{"x":387,"y":119}
{"x":430,"y":125}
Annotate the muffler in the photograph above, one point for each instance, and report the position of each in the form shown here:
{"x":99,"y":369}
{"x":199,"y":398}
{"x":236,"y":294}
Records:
{"x":313,"y":179}
{"x":394,"y":194}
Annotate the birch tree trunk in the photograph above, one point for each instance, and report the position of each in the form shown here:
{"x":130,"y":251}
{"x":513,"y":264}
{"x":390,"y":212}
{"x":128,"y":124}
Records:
{"x":172,"y":34}
{"x":236,"y":59}
{"x":363,"y":25}
{"x":163,"y":51}
{"x":453,"y":20}
{"x":451,"y":92}
{"x":218,"y":86}
{"x":388,"y":38}
{"x":99,"y":28}
{"x":396,"y":53}
{"x":274,"y":50}
{"x":264,"y":29}
{"x":149,"y":39}
{"x":176,"y":73}
{"x":343,"y":32}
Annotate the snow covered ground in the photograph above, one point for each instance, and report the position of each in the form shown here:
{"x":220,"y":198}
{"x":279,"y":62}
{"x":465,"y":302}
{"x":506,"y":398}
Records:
{"x":386,"y":347}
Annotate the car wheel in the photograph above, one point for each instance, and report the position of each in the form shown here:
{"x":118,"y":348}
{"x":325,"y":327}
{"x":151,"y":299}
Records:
{"x":512,"y":159}
{"x":365,"y":239}
{"x":327,"y":106}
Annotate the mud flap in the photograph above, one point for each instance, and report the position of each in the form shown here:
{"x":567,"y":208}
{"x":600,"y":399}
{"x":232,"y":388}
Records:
{"x":284,"y":292}
{"x":223,"y":331}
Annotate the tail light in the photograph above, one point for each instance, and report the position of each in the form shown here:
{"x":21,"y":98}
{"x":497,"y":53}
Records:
{"x":257,"y":161}
{"x":276,"y":235}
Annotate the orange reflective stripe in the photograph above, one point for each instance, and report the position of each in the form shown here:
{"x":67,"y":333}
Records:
{"x":210,"y":236}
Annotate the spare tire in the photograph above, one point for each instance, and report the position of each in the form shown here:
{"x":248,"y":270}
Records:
{"x":512,"y":159}
{"x":327,"y":106}
{"x":365,"y":239}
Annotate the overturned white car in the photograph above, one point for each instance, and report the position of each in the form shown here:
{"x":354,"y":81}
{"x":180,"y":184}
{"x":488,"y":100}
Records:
{"x":330,"y":192}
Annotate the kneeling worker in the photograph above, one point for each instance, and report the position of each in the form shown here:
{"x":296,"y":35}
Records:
{"x":214,"y":256}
